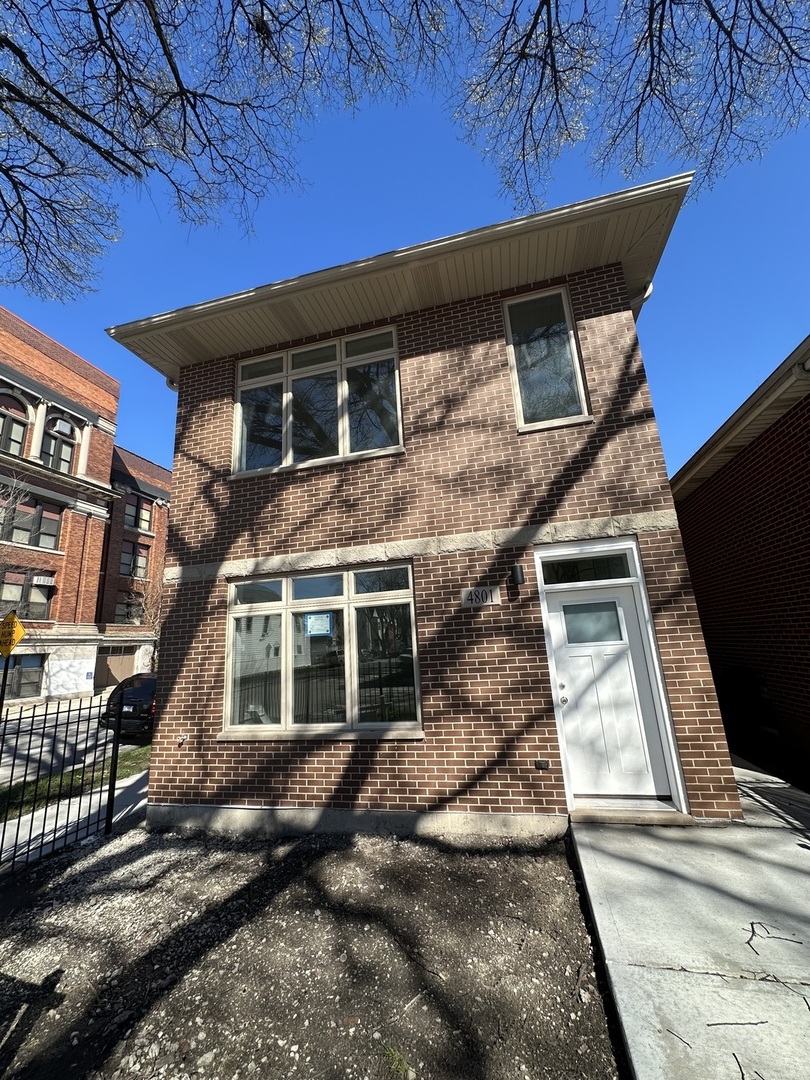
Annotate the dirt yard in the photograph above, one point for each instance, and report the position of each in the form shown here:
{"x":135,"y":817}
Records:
{"x":342,"y":958}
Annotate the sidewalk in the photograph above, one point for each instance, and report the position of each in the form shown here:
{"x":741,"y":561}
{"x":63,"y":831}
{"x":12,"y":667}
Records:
{"x":64,"y":823}
{"x":705,"y":934}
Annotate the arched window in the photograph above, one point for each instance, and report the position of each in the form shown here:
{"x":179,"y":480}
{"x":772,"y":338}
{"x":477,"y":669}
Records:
{"x":13,"y":422}
{"x":58,"y":444}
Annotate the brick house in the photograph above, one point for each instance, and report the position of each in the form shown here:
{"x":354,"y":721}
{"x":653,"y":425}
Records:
{"x":60,"y":477}
{"x":743,"y":503}
{"x":424,"y":569}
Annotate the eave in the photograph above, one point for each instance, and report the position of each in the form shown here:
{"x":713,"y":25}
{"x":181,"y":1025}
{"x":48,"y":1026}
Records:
{"x":769,"y":402}
{"x":630,"y":227}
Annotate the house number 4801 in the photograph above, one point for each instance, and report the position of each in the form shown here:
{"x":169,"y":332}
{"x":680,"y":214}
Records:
{"x":480,"y":596}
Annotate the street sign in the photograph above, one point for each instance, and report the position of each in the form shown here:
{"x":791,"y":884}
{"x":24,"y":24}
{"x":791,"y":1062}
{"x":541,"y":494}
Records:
{"x":12,"y":632}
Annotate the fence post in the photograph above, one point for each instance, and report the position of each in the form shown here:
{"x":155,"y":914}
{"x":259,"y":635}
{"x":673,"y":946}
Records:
{"x":108,"y":823}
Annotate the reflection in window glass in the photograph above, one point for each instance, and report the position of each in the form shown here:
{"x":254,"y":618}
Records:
{"x":315,"y":417}
{"x":372,"y":406}
{"x":385,"y":675}
{"x":545,"y":364}
{"x":317,"y":653}
{"x":600,"y":568}
{"x":308,"y":588}
{"x":256,"y":679}
{"x":374,"y":581}
{"x":592,"y":622}
{"x":319,"y":678}
{"x":262,"y":411}
{"x":258,"y":592}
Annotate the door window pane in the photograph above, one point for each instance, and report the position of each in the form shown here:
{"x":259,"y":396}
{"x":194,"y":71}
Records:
{"x":315,"y":417}
{"x":600,"y":568}
{"x":257,"y":671}
{"x":592,"y":622}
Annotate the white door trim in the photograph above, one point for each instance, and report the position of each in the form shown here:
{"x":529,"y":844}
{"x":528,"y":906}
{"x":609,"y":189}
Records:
{"x":635,"y":579}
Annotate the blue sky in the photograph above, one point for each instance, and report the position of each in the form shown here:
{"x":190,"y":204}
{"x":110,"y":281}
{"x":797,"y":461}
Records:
{"x":730,"y":300}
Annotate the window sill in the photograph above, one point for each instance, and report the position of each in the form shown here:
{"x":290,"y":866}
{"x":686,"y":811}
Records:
{"x":388,"y":451}
{"x":31,"y":547}
{"x":139,"y":531}
{"x":268,"y":733}
{"x":550,"y":425}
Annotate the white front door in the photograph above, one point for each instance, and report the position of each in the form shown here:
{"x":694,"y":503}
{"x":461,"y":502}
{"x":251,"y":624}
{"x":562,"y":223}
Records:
{"x":604,"y":694}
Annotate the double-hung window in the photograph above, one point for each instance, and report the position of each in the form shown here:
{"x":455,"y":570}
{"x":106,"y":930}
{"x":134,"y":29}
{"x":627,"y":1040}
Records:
{"x":324,"y":402}
{"x":28,"y":592}
{"x":58,"y":444}
{"x":13,"y":425}
{"x":30,"y":522}
{"x":330,"y":652}
{"x":134,"y":560}
{"x":138,"y":513}
{"x":546,"y":372}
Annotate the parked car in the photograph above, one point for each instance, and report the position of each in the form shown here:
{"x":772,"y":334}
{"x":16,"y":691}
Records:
{"x":136,"y":697}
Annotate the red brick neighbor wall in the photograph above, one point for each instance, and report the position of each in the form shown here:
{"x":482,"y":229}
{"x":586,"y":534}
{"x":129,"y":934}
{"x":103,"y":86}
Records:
{"x":487,"y":709}
{"x":747,"y":533}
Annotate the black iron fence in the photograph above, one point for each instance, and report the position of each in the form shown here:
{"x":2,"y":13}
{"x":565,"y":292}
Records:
{"x":58,"y":768}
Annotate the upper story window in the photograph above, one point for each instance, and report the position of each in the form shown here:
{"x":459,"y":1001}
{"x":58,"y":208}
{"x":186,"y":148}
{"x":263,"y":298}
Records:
{"x":13,"y":422}
{"x":58,"y":444}
{"x":319,"y":403}
{"x":134,"y":560}
{"x":30,"y":522}
{"x":138,"y":513}
{"x":545,"y":365}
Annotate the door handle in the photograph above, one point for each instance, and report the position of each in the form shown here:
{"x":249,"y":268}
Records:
{"x":563,"y":700}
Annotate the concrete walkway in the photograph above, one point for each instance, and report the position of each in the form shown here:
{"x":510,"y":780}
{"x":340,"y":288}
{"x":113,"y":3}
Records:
{"x":63,"y":823}
{"x":706,"y":937}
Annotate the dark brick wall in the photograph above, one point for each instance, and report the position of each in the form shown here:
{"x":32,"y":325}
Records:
{"x":747,"y":535}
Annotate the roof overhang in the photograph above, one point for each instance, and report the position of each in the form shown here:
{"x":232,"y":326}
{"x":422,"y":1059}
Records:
{"x":769,"y":402}
{"x":630,"y":227}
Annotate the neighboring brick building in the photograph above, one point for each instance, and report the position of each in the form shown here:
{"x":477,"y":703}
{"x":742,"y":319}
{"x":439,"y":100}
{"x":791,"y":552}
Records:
{"x":418,"y":501}
{"x":744,"y":507}
{"x":57,"y":461}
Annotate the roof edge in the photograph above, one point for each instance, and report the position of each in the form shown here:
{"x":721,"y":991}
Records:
{"x":595,"y":207}
{"x":777,"y":394}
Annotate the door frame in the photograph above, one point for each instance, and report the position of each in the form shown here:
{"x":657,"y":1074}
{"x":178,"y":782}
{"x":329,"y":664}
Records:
{"x":662,"y":719}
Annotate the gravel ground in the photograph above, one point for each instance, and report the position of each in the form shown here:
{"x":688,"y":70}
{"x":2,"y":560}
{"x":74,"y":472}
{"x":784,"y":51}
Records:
{"x":340,"y":958}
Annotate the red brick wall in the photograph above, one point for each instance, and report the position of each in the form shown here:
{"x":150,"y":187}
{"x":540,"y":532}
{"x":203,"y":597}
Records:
{"x":747,"y":534}
{"x":487,"y":709}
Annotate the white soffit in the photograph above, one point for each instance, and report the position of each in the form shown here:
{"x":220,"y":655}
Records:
{"x":631,"y":227}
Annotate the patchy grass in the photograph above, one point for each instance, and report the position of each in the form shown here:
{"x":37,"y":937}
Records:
{"x":26,"y":795}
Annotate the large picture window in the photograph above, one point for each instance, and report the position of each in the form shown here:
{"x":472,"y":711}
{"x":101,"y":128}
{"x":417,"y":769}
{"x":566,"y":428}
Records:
{"x":324,"y":652}
{"x":313,"y":404}
{"x":545,"y":366}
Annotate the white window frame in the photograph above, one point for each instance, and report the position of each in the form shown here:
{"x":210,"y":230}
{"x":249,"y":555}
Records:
{"x":584,"y":415}
{"x":351,"y":728}
{"x":285,"y":377}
